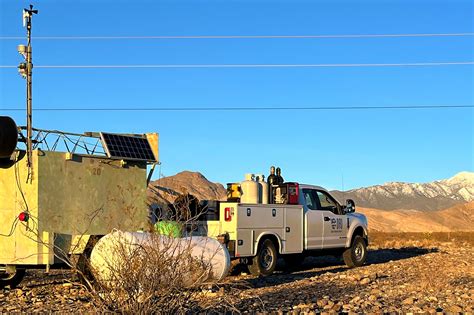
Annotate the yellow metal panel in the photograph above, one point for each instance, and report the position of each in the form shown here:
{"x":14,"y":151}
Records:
{"x":213,"y":228}
{"x":68,"y":195}
{"x":87,"y":195}
{"x":229,"y":227}
{"x":26,"y":244}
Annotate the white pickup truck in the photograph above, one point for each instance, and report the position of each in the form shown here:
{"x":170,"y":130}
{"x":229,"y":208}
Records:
{"x":315,"y":224}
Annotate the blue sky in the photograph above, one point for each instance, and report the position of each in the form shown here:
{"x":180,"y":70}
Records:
{"x":318,"y":147}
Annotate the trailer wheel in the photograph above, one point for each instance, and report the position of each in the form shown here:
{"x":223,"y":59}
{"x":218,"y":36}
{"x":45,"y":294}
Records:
{"x":265,"y":262}
{"x":12,"y":279}
{"x":355,"y":255}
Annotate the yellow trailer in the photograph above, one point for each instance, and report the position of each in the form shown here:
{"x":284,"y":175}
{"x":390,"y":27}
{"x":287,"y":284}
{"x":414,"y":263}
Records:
{"x":76,"y":186}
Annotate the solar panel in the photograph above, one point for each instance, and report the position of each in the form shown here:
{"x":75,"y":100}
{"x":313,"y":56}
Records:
{"x":127,"y":147}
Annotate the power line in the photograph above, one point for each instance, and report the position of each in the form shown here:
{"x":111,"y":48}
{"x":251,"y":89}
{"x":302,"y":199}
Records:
{"x":209,"y":109}
{"x":334,"y":65}
{"x":243,"y":36}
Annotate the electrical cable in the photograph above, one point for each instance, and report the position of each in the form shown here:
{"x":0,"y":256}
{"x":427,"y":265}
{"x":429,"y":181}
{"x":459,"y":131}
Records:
{"x":322,"y":36}
{"x":209,"y":109}
{"x":190,"y":66}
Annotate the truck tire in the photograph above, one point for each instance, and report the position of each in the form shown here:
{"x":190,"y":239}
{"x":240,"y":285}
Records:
{"x":12,"y":279}
{"x":355,"y":255}
{"x":265,"y":262}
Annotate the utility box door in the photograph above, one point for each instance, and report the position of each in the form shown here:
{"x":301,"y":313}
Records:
{"x":260,"y":216}
{"x":293,"y":231}
{"x":244,"y":243}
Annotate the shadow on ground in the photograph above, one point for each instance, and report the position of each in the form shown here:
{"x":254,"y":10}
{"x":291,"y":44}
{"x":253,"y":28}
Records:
{"x":315,"y":266}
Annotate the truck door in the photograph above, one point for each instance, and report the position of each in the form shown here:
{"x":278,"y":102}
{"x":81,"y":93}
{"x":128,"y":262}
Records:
{"x":334,"y":221}
{"x":313,"y":220}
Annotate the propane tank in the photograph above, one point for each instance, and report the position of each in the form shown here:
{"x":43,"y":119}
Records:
{"x":249,"y":188}
{"x":113,"y":249}
{"x":8,"y":136}
{"x":263,"y":189}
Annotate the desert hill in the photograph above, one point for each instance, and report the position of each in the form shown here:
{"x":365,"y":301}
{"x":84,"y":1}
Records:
{"x":167,"y":189}
{"x":457,"y":218}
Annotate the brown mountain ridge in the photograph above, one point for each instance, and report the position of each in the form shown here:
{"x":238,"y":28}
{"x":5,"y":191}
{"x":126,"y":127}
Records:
{"x":457,"y":216}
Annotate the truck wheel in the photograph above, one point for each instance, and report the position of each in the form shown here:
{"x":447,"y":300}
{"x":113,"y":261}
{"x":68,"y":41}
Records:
{"x":355,"y":255}
{"x":265,"y":262}
{"x":293,"y":261}
{"x":12,"y":279}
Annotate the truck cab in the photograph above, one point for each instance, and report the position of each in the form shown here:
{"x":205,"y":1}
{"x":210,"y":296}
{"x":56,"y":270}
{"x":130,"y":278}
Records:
{"x":306,"y":221}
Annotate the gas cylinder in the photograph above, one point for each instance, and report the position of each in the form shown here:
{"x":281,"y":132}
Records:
{"x":263,"y":189}
{"x":249,"y":188}
{"x":112,"y":250}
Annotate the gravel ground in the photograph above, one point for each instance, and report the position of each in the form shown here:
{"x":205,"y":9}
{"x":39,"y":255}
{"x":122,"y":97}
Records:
{"x":411,"y":279}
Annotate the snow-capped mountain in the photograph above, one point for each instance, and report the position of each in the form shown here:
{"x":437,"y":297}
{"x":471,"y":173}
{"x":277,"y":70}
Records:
{"x":436,"y":195}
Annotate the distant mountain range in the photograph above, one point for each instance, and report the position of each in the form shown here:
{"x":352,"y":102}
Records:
{"x":436,"y":195}
{"x":444,"y":205}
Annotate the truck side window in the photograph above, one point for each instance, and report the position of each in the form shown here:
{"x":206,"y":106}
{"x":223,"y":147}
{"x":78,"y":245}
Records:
{"x":310,"y":199}
{"x":327,"y":202}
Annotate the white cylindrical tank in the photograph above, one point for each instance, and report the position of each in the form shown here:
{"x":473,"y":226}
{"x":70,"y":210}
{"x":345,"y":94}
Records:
{"x":249,"y":189}
{"x":263,"y":189}
{"x":110,"y":251}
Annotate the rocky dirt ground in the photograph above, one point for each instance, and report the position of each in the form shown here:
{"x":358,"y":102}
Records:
{"x":426,"y":279}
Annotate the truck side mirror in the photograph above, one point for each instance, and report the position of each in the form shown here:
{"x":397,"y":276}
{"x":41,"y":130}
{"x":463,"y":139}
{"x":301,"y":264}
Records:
{"x":350,"y":206}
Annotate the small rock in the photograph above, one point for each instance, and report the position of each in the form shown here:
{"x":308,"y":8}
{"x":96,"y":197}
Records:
{"x":337,"y":307}
{"x":454,"y":309}
{"x":408,"y":301}
{"x":365,"y":281}
{"x":322,"y":303}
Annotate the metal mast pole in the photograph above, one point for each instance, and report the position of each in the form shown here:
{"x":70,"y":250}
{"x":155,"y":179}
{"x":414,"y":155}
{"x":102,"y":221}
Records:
{"x":27,"y":18}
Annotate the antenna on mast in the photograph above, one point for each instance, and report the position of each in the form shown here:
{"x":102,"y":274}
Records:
{"x":26,"y":71}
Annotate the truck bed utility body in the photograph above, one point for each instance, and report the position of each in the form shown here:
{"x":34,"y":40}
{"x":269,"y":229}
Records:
{"x":315,"y":223}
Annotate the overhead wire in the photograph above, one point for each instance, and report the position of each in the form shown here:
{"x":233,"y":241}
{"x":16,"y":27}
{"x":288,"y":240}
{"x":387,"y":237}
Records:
{"x":184,"y":109}
{"x":192,"y":66}
{"x":309,"y":36}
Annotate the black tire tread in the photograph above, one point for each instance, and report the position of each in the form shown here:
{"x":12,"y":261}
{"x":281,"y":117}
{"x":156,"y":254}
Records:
{"x":15,"y":280}
{"x":348,"y":254}
{"x":255,"y":268}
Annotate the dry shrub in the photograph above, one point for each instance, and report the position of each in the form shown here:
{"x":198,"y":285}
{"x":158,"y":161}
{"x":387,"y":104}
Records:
{"x":142,"y":278}
{"x":156,"y":274}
